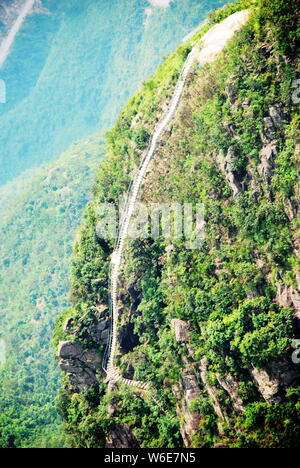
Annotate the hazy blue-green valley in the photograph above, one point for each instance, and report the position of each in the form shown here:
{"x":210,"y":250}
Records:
{"x":71,"y":71}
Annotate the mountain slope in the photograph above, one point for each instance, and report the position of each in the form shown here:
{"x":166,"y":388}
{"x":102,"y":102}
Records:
{"x":41,"y":208}
{"x":63,"y":93}
{"x":36,"y":236}
{"x":210,"y":329}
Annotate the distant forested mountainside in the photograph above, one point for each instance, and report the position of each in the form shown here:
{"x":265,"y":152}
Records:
{"x":71,"y":71}
{"x":68,"y":74}
{"x":210,"y":330}
{"x":9,"y":10}
{"x":40,"y":212}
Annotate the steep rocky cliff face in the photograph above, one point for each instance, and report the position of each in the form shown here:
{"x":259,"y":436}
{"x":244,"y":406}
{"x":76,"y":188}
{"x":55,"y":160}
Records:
{"x":210,"y":329}
{"x":81,"y":363}
{"x":68,"y":72}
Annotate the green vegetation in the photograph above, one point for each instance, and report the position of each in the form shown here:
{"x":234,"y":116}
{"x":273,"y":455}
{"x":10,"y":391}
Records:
{"x":226,"y":291}
{"x":283,"y":20}
{"x":71,"y":72}
{"x":36,"y":238}
{"x":68,"y":75}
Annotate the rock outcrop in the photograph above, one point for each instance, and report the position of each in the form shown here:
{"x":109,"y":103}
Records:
{"x":213,"y":394}
{"x":189,"y":420}
{"x":121,"y":437}
{"x":231,"y":386}
{"x":80,"y":366}
{"x":189,"y":387}
{"x":267,"y":160}
{"x":287,"y":296}
{"x":94,"y":326}
{"x":127,"y":339}
{"x":227,"y":166}
{"x":181,"y":329}
{"x":273,"y":126}
{"x":274,"y":380}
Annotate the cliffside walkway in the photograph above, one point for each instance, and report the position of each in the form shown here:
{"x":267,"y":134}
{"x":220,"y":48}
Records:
{"x":212,"y":43}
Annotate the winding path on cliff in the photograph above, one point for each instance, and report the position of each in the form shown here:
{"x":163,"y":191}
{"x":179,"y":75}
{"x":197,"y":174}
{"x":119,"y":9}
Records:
{"x":211,"y":44}
{"x":9,"y":39}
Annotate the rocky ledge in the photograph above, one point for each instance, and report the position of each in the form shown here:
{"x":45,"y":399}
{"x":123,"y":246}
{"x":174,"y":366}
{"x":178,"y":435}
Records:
{"x":82,"y":363}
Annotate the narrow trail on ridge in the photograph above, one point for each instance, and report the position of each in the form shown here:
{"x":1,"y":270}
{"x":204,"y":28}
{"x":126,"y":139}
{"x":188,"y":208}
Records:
{"x":9,"y":39}
{"x":212,"y":43}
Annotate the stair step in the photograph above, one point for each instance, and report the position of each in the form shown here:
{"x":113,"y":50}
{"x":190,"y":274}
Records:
{"x":112,"y":372}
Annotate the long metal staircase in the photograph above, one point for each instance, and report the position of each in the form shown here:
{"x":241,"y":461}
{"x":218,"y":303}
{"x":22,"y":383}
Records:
{"x":212,"y":43}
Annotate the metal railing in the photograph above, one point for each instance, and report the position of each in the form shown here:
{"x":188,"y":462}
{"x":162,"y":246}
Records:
{"x":132,"y":195}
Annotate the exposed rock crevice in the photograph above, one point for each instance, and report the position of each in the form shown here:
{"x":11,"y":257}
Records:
{"x":231,"y":386}
{"x":287,"y":296}
{"x":80,"y":366}
{"x":120,"y":437}
{"x":213,"y":394}
{"x":273,"y":128}
{"x":274,"y":380}
{"x":227,"y":166}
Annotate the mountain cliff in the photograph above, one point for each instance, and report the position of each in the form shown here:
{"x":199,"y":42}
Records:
{"x":212,"y":330}
{"x":69,"y":72}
